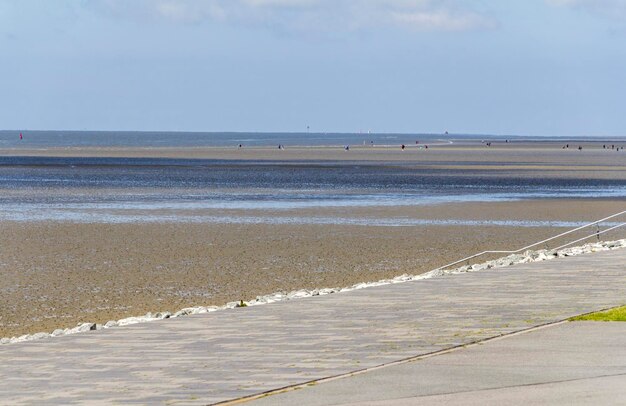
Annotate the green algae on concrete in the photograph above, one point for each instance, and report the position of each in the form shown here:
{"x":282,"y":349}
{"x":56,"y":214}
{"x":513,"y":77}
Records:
{"x":616,"y":314}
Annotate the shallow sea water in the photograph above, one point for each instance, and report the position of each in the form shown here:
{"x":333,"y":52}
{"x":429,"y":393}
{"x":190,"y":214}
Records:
{"x":122,"y":190}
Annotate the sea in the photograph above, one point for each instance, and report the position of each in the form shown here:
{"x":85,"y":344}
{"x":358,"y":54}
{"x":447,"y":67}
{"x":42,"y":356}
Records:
{"x":68,"y":139}
{"x":127,"y":190}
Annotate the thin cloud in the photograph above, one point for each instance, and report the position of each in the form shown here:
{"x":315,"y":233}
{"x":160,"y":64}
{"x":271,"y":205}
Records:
{"x":443,"y":20}
{"x":308,"y":15}
{"x":613,"y":9}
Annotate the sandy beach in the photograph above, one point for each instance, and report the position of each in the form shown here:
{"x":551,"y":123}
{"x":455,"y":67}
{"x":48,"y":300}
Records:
{"x":57,"y":274}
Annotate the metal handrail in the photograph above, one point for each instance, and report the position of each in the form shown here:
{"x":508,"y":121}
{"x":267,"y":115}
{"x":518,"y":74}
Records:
{"x":590,"y":236}
{"x":544,"y":241}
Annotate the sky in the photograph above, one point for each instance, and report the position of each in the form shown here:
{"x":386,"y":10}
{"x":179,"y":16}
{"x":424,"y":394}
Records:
{"x":517,"y":67}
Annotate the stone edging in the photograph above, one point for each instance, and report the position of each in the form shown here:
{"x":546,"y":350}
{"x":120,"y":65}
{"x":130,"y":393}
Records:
{"x":526,"y":257}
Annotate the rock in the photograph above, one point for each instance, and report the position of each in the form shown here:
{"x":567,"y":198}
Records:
{"x":299,"y":294}
{"x":111,"y":323}
{"x":185,"y":312}
{"x":86,"y":327}
{"x":20,"y":339}
{"x":5,"y":340}
{"x":58,"y":332}
{"x":129,"y":320}
{"x":39,"y":336}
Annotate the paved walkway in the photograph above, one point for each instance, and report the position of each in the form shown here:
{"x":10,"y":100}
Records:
{"x":578,"y":363}
{"x":225,"y":355}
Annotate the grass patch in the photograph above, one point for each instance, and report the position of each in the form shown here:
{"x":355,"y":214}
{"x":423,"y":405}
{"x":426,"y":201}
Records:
{"x":617,"y":314}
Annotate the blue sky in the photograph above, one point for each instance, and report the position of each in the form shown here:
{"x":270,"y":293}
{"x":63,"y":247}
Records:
{"x":536,"y":67}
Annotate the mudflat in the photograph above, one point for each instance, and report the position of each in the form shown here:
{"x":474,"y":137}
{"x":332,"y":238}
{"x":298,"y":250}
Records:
{"x":539,"y":158}
{"x":57,"y":274}
{"x":60,"y":272}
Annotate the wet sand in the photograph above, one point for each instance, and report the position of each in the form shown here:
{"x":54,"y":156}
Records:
{"x":59,"y":274}
{"x":516,"y":159}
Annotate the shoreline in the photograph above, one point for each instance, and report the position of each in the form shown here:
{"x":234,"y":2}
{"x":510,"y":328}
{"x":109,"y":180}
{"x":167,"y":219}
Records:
{"x":77,"y":272}
{"x":527,"y":256}
{"x":476,"y":212}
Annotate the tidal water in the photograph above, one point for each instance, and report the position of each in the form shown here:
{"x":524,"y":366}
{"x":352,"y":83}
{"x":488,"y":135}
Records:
{"x":43,"y":139}
{"x":68,"y":139}
{"x":117,"y":190}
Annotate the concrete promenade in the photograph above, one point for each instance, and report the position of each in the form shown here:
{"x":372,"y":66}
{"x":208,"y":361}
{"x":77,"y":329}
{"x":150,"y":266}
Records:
{"x":225,"y":355}
{"x":577,"y":363}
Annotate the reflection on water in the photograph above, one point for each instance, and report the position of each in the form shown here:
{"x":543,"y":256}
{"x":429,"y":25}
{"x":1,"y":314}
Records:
{"x":137,"y":189}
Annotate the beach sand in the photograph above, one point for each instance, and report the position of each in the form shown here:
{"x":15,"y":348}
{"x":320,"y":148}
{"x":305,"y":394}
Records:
{"x":58,"y":274}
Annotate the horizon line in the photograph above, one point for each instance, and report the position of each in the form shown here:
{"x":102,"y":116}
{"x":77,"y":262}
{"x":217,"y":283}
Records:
{"x":449,"y":134}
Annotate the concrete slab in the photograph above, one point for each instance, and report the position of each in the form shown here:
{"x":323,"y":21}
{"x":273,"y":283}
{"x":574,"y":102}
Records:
{"x":226,"y":355}
{"x":572,"y":363}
